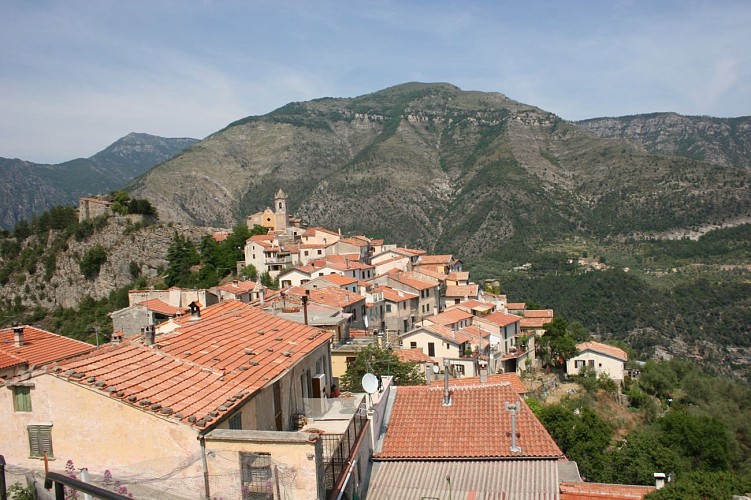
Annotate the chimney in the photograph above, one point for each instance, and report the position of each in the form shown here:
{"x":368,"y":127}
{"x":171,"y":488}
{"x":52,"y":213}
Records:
{"x":659,"y":480}
{"x":195,"y":310}
{"x":17,"y":336}
{"x":305,"y":305}
{"x":514,"y":408}
{"x":483,"y":373}
{"x":446,"y":393}
{"x":116,"y":338}
{"x":148,"y":335}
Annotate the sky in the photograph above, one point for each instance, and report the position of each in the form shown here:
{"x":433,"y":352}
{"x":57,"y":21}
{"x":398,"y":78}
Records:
{"x":76,"y":75}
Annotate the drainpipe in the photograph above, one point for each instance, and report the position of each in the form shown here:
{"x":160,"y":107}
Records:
{"x":346,"y":479}
{"x":207,"y":491}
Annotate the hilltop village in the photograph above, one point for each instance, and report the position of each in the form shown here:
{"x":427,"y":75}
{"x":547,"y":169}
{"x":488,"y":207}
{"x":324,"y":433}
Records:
{"x":235,"y":391}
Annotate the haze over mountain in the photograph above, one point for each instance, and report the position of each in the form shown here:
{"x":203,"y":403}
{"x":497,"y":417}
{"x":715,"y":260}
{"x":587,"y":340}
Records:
{"x":29,"y":188}
{"x":444,"y":169}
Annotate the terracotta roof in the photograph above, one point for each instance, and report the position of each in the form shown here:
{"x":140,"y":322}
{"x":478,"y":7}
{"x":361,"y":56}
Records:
{"x":534,"y":322}
{"x":457,"y":337}
{"x":338,"y":279}
{"x":355,"y":333}
{"x":311,"y":231}
{"x":538,"y":313}
{"x":238,"y":287}
{"x":462,"y":290}
{"x":495,"y":378}
{"x":458,"y":276}
{"x":603,"y":349}
{"x":449,"y":316}
{"x":516,"y":306}
{"x":410,"y":251}
{"x":161,"y":307}
{"x":501,"y":319}
{"x":476,"y":305}
{"x":393,"y":295}
{"x":97,"y":200}
{"x":329,"y":296}
{"x":39,"y":347}
{"x":583,"y":491}
{"x":435,"y":259}
{"x":220,"y":236}
{"x":415,"y":355}
{"x":354,"y":241}
{"x":417,"y":284}
{"x":422,"y":427}
{"x":206,"y":366}
{"x":432,"y":273}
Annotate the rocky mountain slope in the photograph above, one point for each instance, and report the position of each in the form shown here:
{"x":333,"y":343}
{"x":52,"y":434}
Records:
{"x":436,"y":167}
{"x":28,"y":188}
{"x":726,"y":141}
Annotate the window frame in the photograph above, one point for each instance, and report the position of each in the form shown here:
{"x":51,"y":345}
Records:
{"x":254,"y":479}
{"x":235,"y":422}
{"x":37,"y":434}
{"x":21,"y":393}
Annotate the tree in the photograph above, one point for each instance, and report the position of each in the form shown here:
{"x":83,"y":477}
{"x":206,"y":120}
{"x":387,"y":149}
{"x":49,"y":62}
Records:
{"x":703,"y":440}
{"x":704,"y":485}
{"x":378,"y":361}
{"x":560,"y":339}
{"x":249,"y":272}
{"x":639,"y":456}
{"x":92,"y":261}
{"x":182,"y":255}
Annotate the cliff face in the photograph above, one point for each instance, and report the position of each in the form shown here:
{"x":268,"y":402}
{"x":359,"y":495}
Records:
{"x":124,"y":241}
{"x":433,"y":166}
{"x":725,"y":141}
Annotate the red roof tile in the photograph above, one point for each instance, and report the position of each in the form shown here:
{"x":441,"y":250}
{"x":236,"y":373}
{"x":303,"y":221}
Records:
{"x":329,"y":296}
{"x":39,"y":347}
{"x":161,"y":307}
{"x":222,"y":359}
{"x":586,"y":491}
{"x":462,"y":290}
{"x":416,"y":283}
{"x":415,"y":355}
{"x":238,"y":287}
{"x":502,"y":319}
{"x":449,"y":316}
{"x":457,"y":337}
{"x":475,"y":425}
{"x":516,"y":306}
{"x":338,"y":279}
{"x":495,"y":378}
{"x":603,"y":349}
{"x":435,"y":259}
{"x":395,"y":295}
{"x":538,"y":313}
{"x":458,"y":276}
{"x":534,"y":322}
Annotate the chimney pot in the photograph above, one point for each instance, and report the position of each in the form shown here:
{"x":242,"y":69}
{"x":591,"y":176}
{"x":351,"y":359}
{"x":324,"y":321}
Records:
{"x":659,"y":480}
{"x":148,"y":335}
{"x":18,"y":336}
{"x":195,"y":310}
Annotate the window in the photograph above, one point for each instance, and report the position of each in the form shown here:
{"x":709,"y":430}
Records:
{"x":21,"y":398}
{"x":579,"y":363}
{"x":40,"y":440}
{"x":413,"y":345}
{"x":236,"y":422}
{"x":388,"y":308}
{"x":591,"y":363}
{"x":431,"y":349}
{"x":255,"y":476}
{"x":319,"y":252}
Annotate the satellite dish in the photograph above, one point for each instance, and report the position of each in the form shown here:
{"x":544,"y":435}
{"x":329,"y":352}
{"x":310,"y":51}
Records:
{"x":370,"y":383}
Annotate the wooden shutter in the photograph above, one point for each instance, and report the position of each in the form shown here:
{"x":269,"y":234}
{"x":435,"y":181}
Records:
{"x":22,"y":398}
{"x":40,"y":440}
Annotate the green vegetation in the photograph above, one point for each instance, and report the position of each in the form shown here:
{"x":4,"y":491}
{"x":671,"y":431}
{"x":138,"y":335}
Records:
{"x":378,"y":361}
{"x":92,"y":261}
{"x":686,"y":423}
{"x":123,"y":204}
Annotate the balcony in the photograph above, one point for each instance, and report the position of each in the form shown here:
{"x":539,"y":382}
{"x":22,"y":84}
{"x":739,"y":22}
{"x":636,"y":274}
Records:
{"x":340,"y":423}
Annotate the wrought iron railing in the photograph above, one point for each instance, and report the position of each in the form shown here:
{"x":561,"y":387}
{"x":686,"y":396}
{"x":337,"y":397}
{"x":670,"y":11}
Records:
{"x":338,"y":449}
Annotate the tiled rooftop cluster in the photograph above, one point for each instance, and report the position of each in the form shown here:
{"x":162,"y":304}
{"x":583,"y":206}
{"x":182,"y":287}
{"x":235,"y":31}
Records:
{"x":37,"y":347}
{"x":196,"y":373}
{"x":475,"y":425}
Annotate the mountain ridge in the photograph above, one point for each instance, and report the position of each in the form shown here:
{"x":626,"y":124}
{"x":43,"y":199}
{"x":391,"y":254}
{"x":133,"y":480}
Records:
{"x":28,"y":188}
{"x":466,"y":171}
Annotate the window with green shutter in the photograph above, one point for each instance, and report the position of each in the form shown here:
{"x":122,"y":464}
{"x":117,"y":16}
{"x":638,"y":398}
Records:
{"x":21,"y":398}
{"x":40,"y":441}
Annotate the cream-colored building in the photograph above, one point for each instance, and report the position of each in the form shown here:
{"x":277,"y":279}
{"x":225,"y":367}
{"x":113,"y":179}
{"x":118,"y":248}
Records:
{"x":218,"y":407}
{"x":602,"y":358}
